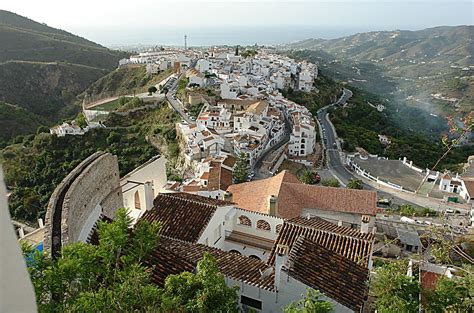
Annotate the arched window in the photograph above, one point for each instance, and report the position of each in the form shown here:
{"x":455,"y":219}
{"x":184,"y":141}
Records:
{"x":254,"y":257}
{"x":137,"y":200}
{"x":244,"y":220}
{"x":263,"y":225}
{"x":235,"y":251}
{"x":302,"y":140}
{"x":278,"y":228}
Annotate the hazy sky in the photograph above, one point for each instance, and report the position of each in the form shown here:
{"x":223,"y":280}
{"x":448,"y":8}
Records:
{"x":146,"y":21}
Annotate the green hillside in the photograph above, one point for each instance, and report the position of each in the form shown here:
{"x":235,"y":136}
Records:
{"x":16,"y":121}
{"x":410,"y":65}
{"x":43,"y":69}
{"x":46,"y":89}
{"x":125,"y":81}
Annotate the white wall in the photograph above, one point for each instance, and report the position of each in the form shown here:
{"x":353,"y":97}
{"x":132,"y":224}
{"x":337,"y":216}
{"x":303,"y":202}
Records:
{"x":153,"y":171}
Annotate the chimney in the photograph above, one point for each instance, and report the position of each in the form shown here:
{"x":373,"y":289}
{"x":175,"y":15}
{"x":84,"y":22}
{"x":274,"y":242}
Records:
{"x":148,"y":191}
{"x":40,"y":223}
{"x":281,"y":257}
{"x":273,"y":205}
{"x":228,"y":196}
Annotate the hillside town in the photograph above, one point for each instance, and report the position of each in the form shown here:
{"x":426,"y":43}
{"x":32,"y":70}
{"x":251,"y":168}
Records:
{"x":271,"y":234}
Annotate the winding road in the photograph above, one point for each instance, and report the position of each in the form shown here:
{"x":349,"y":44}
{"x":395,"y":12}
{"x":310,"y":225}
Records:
{"x":334,"y":155}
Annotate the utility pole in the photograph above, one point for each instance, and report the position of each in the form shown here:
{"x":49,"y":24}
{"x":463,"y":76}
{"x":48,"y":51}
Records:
{"x":185,"y":42}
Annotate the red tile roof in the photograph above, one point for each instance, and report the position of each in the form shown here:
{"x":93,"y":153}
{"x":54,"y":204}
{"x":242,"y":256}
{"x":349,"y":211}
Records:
{"x":182,"y":216}
{"x":232,"y":265}
{"x":354,"y":246}
{"x":293,"y":196}
{"x":329,"y":272}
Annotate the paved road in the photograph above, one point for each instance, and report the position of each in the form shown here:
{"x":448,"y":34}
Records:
{"x":257,"y":168}
{"x":175,"y":103}
{"x":333,"y":152}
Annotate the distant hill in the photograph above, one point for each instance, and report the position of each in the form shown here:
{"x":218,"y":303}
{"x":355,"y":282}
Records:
{"x":412,"y":65}
{"x":43,"y":69}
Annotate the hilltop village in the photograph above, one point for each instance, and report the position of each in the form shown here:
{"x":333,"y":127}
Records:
{"x":272,"y":235}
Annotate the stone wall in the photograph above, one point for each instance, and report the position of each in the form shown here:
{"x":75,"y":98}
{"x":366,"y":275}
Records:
{"x":94,"y":182}
{"x":97,"y":185}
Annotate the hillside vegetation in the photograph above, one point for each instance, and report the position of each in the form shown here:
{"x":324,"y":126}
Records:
{"x":34,"y":167}
{"x":43,"y":69}
{"x":359,"y":125}
{"x":125,"y":81}
{"x":410,"y":65}
{"x":16,"y":121}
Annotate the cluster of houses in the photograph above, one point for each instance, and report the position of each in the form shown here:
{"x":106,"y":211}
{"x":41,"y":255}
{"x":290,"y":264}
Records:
{"x":250,"y":116}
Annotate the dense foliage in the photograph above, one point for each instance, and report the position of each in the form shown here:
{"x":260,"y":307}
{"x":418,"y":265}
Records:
{"x":394,"y":291}
{"x":359,"y":125}
{"x":326,"y":92}
{"x":113,"y":276}
{"x":330,"y":182}
{"x":355,"y":183}
{"x":16,"y":121}
{"x":241,"y":169}
{"x":205,"y":291}
{"x":311,"y":303}
{"x":36,"y":165}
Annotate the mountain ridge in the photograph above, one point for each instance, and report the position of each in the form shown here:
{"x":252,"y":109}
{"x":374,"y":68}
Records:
{"x":44,"y":69}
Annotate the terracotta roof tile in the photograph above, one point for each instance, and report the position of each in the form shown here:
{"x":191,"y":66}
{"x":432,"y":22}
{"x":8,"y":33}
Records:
{"x":331,"y":273}
{"x":293,"y":196}
{"x":232,"y":265}
{"x":355,"y":247}
{"x":182,"y":216}
{"x":254,"y":195}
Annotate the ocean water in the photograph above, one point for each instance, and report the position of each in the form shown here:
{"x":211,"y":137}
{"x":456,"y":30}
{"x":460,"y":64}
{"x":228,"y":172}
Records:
{"x":208,"y":36}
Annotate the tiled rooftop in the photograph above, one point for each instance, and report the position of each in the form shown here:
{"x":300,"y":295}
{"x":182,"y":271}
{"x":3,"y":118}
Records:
{"x":293,"y":196}
{"x":334,"y":275}
{"x":182,"y":216}
{"x":354,"y":247}
{"x":232,"y":265}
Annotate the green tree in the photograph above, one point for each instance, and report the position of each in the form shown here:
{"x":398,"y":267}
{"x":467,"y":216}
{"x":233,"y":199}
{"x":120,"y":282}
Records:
{"x":205,"y":291}
{"x":81,"y":120}
{"x":42,"y":129}
{"x":311,"y":303}
{"x":452,"y":295}
{"x":308,"y":177}
{"x":241,"y":169}
{"x":108,"y":277}
{"x":394,"y":290}
{"x":151,"y":90}
{"x":331,"y":182}
{"x":354,"y":183}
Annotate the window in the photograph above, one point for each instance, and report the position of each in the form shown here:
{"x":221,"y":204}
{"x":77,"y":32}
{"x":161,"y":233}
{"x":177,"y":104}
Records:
{"x":254,"y":303}
{"x":263,"y":225}
{"x":278,"y":228}
{"x":244,"y":220}
{"x":137,"y":200}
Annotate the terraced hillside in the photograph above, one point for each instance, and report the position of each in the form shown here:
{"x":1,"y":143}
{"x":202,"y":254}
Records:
{"x":43,"y":69}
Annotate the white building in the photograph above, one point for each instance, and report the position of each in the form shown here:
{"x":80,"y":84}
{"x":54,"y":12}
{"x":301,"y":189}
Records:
{"x":271,"y":260}
{"x":142,"y":185}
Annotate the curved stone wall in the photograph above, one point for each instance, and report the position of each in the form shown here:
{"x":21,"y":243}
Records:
{"x":93,"y":185}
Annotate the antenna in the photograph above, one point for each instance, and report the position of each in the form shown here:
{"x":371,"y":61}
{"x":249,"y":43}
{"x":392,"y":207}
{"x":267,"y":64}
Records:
{"x":185,"y":42}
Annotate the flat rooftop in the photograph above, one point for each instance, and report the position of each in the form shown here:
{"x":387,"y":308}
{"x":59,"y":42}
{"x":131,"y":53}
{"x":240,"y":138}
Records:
{"x":393,"y":171}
